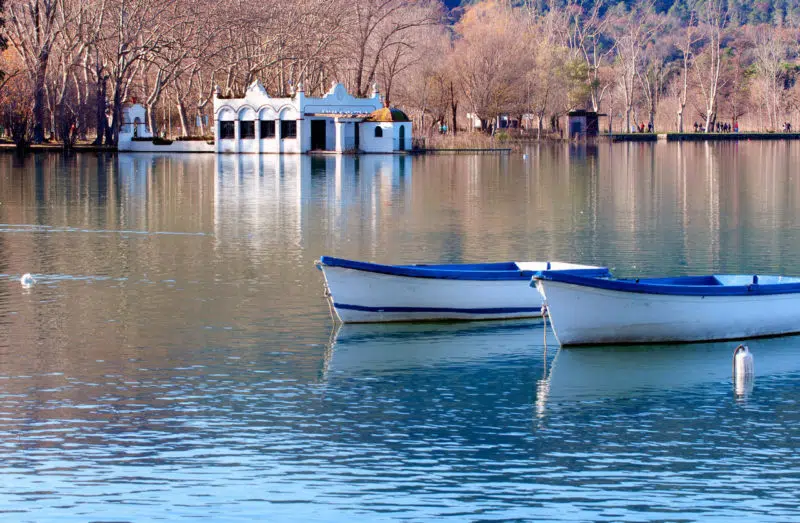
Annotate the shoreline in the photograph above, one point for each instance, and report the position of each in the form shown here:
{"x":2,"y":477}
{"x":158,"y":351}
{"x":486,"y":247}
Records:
{"x":699,"y":137}
{"x":53,"y":147}
{"x":611,"y":137}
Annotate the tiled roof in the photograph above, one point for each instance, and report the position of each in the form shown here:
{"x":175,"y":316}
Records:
{"x":388,"y":114}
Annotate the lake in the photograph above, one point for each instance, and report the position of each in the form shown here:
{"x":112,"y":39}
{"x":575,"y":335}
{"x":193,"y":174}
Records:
{"x":176,"y":359}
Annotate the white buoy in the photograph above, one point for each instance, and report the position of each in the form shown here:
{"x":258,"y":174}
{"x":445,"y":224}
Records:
{"x":743,"y":370}
{"x":27,"y":280}
{"x":524,"y":156}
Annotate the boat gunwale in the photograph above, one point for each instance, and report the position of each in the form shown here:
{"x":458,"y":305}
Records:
{"x":648,"y":286}
{"x":449,"y":272}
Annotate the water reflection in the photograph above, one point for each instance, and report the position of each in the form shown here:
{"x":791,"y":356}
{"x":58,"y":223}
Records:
{"x":304,"y":200}
{"x":177,"y":354}
{"x":370,"y":349}
{"x":635,"y":371}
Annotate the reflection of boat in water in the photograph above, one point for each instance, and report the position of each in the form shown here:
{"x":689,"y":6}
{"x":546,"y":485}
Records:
{"x":632,"y":371}
{"x":400,"y":347}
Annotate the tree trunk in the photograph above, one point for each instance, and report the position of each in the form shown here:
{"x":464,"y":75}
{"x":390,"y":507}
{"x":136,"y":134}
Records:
{"x":454,"y":108}
{"x":101,"y":122}
{"x":151,"y":119}
{"x":182,"y":117}
{"x":39,"y":99}
{"x":202,"y":124}
{"x":680,"y":119}
{"x":387,"y":97}
{"x":112,"y":133}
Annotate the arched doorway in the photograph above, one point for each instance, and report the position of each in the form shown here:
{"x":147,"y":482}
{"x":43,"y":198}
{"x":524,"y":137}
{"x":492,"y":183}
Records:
{"x":402,"y":146}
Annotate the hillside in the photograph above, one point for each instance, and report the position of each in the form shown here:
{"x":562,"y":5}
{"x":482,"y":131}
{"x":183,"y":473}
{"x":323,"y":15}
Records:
{"x":741,"y":11}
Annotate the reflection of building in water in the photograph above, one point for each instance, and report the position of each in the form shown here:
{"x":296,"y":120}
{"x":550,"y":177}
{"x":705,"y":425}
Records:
{"x":178,"y":190}
{"x":583,"y":151}
{"x":302,"y":200}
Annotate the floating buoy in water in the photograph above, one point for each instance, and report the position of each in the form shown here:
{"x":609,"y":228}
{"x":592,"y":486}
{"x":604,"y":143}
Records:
{"x":524,"y":156}
{"x":27,"y":280}
{"x":743,"y":370}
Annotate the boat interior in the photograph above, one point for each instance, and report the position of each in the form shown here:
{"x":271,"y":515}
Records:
{"x":727,"y":280}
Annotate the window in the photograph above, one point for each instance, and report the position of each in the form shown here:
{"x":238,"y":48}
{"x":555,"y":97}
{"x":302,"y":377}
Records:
{"x":267,"y":128}
{"x":247,"y":130}
{"x":288,"y":129}
{"x":378,"y":132}
{"x":226,"y":130}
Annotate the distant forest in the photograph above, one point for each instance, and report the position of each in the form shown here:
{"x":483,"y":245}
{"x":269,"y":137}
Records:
{"x":741,"y":12}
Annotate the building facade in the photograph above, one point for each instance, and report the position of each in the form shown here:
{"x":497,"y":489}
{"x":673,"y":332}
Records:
{"x":337,"y":122}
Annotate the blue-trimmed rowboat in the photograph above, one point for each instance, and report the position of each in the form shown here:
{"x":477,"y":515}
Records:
{"x":585,"y":310}
{"x":363,"y":292}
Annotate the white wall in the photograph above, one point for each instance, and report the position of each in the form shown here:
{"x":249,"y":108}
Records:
{"x":134,"y":115}
{"x":257,"y":105}
{"x":371,"y":144}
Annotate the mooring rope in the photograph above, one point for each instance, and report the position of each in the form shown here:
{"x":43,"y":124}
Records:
{"x":544,"y":318}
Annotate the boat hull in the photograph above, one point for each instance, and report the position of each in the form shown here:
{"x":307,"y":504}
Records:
{"x":582,"y":315}
{"x":363,"y":297}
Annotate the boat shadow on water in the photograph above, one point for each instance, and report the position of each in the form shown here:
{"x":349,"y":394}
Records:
{"x":579,"y":374}
{"x":389,"y":348}
{"x":561,"y":376}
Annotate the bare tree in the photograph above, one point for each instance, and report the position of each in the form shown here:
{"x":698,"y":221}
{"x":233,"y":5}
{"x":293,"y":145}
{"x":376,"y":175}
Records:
{"x":135,"y":29}
{"x":708,"y":65}
{"x":631,"y":31}
{"x":380,"y":25}
{"x":33,"y":29}
{"x":685,"y":44}
{"x":588,"y":35}
{"x":655,"y":69}
{"x":490,"y":59}
{"x":770,"y":51}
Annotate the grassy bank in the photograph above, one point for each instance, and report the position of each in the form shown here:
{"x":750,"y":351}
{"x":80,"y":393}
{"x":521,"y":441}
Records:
{"x":699,"y":137}
{"x":469,"y":142}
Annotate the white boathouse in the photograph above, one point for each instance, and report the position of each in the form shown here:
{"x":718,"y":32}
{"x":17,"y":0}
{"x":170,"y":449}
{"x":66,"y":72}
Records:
{"x":337,"y":122}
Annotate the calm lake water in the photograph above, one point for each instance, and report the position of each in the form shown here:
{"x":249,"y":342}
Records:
{"x":177,"y":360}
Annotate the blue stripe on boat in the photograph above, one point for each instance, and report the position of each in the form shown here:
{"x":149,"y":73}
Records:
{"x":498,"y":310}
{"x":476,"y":271}
{"x":681,"y":286}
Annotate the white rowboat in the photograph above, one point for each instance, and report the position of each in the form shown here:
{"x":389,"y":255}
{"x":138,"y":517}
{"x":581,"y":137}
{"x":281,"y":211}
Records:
{"x":585,"y":310}
{"x":363,"y":292}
